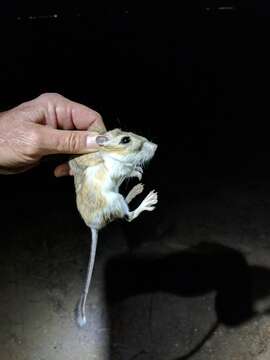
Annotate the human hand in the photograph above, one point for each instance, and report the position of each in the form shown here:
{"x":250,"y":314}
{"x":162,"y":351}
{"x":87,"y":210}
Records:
{"x":49,"y":124}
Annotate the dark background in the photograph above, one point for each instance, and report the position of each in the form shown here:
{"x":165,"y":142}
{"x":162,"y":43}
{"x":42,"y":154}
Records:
{"x":192,"y":78}
{"x":184,"y":76}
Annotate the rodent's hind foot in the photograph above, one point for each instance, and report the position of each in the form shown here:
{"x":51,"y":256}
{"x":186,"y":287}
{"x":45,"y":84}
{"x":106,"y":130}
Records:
{"x":149,"y":202}
{"x":146,"y":205}
{"x":136,"y":190}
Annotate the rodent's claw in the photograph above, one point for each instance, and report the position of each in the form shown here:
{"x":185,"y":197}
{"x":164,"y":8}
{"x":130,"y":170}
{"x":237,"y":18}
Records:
{"x":137,"y":172}
{"x":139,"y":168}
{"x":150,"y":208}
{"x":152,"y":196}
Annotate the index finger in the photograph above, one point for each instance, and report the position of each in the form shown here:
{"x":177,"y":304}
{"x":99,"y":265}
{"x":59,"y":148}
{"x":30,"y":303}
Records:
{"x":85,"y":118}
{"x":62,"y":113}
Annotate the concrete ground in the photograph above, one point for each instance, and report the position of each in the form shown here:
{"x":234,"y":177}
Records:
{"x":198,"y":266}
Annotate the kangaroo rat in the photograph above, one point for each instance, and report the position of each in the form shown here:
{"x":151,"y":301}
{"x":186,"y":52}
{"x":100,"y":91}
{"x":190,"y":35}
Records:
{"x":97,"y":178}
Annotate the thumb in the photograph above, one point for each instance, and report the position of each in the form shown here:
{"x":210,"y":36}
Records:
{"x":54,"y":141}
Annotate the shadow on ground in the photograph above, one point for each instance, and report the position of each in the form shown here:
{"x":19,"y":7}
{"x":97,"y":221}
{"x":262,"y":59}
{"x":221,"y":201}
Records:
{"x":201,"y":270}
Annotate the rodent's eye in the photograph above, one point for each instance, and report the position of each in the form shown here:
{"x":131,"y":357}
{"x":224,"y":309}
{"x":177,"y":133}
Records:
{"x":125,"y":140}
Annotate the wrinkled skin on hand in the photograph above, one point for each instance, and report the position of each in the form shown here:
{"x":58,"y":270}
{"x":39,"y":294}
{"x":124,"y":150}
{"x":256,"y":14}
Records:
{"x":49,"y":124}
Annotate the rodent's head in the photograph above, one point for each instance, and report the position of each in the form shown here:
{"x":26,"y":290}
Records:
{"x":128,"y":147}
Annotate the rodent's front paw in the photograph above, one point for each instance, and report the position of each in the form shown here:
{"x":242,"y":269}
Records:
{"x":139,"y":169}
{"x":137,"y":172}
{"x":137,"y":189}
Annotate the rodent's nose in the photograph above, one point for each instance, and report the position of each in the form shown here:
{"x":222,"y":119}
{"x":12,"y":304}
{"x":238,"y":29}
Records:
{"x":150,"y":147}
{"x":154,"y":146}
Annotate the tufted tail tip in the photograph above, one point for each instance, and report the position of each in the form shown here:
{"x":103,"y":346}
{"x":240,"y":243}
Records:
{"x":80,"y":314}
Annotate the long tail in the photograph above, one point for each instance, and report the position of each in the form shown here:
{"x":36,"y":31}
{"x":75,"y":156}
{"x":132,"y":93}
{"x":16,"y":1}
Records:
{"x":80,"y":313}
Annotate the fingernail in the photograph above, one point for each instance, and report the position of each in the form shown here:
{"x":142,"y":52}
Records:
{"x":91,"y":141}
{"x":101,"y":139}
